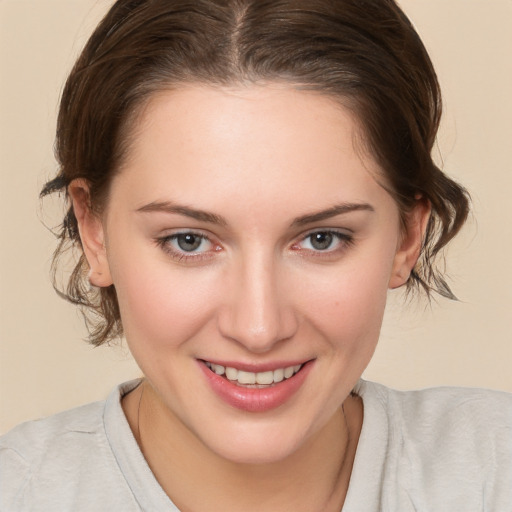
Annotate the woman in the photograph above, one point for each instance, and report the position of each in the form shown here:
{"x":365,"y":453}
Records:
{"x":246,"y":181}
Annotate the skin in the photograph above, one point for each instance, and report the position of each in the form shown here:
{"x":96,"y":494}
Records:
{"x":255,"y":291}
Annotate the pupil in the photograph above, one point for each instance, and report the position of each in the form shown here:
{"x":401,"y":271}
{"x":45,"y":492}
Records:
{"x":321,"y":241}
{"x":189,"y":242}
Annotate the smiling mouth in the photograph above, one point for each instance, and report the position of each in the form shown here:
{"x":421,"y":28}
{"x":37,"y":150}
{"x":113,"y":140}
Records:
{"x":254,"y":379}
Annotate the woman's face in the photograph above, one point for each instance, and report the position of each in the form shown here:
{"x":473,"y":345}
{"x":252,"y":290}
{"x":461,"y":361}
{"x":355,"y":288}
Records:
{"x":247,"y":238}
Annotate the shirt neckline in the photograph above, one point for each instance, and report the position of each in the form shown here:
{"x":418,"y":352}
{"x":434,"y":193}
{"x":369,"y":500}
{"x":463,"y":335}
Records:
{"x":142,"y":482}
{"x":365,"y":480}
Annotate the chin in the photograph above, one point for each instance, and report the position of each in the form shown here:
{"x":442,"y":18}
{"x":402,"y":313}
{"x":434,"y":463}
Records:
{"x":254,"y":453}
{"x":257,"y":444}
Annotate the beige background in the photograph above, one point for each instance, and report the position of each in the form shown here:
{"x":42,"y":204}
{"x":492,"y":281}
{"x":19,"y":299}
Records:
{"x":44,"y":365}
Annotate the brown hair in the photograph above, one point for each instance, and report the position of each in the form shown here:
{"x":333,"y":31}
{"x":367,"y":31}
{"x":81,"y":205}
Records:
{"x":365,"y":53}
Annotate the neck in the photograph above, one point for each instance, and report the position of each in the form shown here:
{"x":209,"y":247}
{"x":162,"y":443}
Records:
{"x":314,"y":478}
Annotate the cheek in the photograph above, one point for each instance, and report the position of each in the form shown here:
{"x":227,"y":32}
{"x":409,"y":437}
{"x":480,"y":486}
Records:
{"x":161,"y":306}
{"x":347,"y":303}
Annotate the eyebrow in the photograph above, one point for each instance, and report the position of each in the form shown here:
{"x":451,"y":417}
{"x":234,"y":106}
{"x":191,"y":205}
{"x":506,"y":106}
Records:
{"x":335,"y":210}
{"x":212,"y":218}
{"x":169,"y":207}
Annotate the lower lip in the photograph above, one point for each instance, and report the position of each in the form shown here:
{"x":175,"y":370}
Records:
{"x":256,"y":399}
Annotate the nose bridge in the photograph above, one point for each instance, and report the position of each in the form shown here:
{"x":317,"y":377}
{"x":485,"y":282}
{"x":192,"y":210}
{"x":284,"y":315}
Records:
{"x":258,"y":313}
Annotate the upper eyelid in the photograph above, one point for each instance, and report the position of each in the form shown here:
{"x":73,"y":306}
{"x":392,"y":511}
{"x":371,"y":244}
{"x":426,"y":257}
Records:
{"x":342,"y":232}
{"x":337,"y":231}
{"x":188,"y":232}
{"x":334,"y":229}
{"x":168,"y":234}
{"x":343,"y":240}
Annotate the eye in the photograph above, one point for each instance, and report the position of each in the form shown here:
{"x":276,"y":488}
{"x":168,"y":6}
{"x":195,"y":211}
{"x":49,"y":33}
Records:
{"x":321,"y":241}
{"x":327,"y":241}
{"x":188,"y":242}
{"x":187,"y":245}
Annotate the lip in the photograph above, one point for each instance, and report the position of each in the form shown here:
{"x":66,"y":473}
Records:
{"x":255,"y":399}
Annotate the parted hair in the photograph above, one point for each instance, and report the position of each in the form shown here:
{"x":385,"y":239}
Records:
{"x":364,"y":53}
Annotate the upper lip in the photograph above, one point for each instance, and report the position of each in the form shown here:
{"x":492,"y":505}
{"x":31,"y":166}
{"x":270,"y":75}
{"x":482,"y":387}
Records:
{"x":258,"y":367}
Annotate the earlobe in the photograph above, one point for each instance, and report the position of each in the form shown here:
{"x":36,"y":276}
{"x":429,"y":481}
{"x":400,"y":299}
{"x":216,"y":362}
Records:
{"x":91,"y":232}
{"x":411,"y":243}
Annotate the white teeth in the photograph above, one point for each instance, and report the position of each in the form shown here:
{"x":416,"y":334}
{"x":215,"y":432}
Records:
{"x":250,"y":378}
{"x":218,"y":369}
{"x":288,"y":372}
{"x":265,"y":377}
{"x":246,"y":377}
{"x":231,"y":373}
{"x":278,"y":375}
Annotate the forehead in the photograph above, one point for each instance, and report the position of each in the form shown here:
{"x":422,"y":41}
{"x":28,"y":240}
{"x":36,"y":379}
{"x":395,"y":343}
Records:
{"x":252,"y":142}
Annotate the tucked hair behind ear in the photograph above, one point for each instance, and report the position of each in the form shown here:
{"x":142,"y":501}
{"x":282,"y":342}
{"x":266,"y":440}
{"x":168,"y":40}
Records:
{"x":364,"y":53}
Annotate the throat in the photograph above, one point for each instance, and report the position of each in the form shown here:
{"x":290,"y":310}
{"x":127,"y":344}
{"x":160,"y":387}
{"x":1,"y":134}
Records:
{"x":194,"y":477}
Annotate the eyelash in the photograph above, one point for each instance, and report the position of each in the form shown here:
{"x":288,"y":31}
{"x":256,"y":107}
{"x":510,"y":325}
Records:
{"x":341,"y":239}
{"x":344,"y":240}
{"x":180,"y":255}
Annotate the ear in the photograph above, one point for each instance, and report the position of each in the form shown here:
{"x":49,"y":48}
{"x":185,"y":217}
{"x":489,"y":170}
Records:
{"x":91,"y":232}
{"x":411,"y":242}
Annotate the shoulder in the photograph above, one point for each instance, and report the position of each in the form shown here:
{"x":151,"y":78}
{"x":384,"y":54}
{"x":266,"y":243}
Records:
{"x":448,"y":445}
{"x":30,"y":441}
{"x":446,"y":414}
{"x":37,"y":447}
{"x":446,"y":409}
{"x":49,"y":460}
{"x":32,"y":437}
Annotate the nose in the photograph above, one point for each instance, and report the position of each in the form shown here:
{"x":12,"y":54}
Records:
{"x":258,"y":311}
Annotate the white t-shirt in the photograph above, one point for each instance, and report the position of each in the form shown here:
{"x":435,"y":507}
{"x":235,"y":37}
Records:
{"x":439,"y":450}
